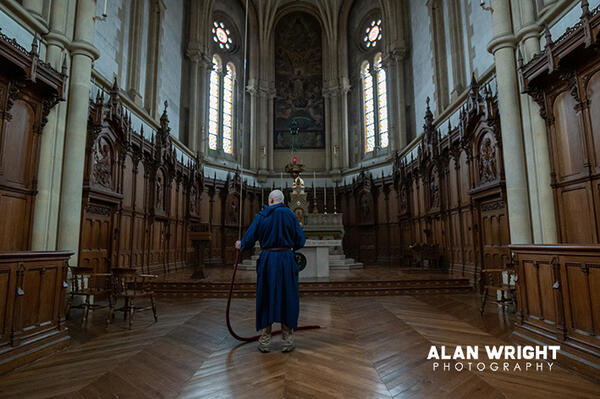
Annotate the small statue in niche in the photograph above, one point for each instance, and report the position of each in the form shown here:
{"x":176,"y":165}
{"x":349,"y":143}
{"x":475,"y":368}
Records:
{"x":403,"y":199}
{"x":101,"y":171}
{"x":434,"y":192}
{"x":159,"y":193}
{"x":487,"y":162}
{"x":365,"y":205}
{"x":232,"y":214}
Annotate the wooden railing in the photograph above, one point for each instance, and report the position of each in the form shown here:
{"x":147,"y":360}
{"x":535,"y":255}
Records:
{"x":558,"y":301}
{"x":32,"y":304}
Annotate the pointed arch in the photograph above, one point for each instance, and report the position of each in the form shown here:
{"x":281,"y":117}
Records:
{"x":214,"y":104}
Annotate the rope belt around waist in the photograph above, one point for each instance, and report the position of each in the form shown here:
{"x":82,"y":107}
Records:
{"x":277,"y":249}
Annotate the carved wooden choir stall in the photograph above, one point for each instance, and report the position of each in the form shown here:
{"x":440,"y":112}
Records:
{"x":559,"y":286}
{"x":445,"y":205}
{"x":139,"y":200}
{"x":32,"y":286}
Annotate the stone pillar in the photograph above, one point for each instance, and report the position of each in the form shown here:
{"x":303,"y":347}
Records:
{"x":394,"y":65}
{"x":36,"y":8}
{"x":193,"y":101}
{"x":345,"y":145}
{"x":540,"y":182}
{"x":45,"y":215}
{"x":502,"y":46}
{"x":134,"y":59}
{"x":83,"y":53}
{"x":254,"y":155}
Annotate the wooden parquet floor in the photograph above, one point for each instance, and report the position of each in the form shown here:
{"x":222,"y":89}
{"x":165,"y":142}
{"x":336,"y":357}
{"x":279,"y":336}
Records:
{"x":368,"y":347}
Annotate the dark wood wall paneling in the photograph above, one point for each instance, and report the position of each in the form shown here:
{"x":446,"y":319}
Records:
{"x":451,"y":194}
{"x":564,"y":80}
{"x":558,"y":299}
{"x":140,"y":201}
{"x":558,"y":285}
{"x":29,"y":89}
{"x":31,"y":283}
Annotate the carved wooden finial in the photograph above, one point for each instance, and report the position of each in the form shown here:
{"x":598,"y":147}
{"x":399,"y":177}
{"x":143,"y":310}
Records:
{"x":64,"y":66}
{"x":585,"y":8}
{"x":547,"y":35}
{"x":34,"y":45}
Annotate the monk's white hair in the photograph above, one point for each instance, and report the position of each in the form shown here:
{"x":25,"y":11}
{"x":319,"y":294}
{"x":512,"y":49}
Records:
{"x":276,"y":196}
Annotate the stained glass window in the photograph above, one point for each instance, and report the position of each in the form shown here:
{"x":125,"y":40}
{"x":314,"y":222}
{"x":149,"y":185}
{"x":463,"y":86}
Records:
{"x":375,"y":106}
{"x":368,"y":108}
{"x":228,"y":84}
{"x":382,"y":114}
{"x":372,"y":34}
{"x":222,"y":35}
{"x":213,"y":110}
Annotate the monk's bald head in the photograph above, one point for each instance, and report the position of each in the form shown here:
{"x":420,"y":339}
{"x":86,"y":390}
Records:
{"x":275,"y":197}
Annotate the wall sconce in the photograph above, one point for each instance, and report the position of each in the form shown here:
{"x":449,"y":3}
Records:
{"x":104,"y":15}
{"x":486,"y":8}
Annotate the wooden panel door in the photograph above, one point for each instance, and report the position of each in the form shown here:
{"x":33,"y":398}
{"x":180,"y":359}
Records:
{"x":96,"y":233}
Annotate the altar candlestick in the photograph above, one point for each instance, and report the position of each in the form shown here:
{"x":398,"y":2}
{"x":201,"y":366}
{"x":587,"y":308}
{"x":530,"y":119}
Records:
{"x":335,"y":199}
{"x":325,"y":198}
{"x":105,"y":1}
{"x":281,"y":177}
{"x":262,"y":196}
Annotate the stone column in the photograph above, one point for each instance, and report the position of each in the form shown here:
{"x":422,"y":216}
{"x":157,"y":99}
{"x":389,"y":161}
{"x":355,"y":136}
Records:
{"x":134,"y":63}
{"x":254,"y":155}
{"x":193,"y":100}
{"x":394,"y":66}
{"x":502,"y":46}
{"x":345,"y":145}
{"x":83,"y":53}
{"x":36,"y":8}
{"x":540,"y":183}
{"x":45,"y":215}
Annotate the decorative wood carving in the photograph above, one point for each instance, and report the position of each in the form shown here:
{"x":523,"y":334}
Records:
{"x":557,"y":301}
{"x":450,"y":198}
{"x":29,"y":89}
{"x":32,"y":313}
{"x":566,"y":86}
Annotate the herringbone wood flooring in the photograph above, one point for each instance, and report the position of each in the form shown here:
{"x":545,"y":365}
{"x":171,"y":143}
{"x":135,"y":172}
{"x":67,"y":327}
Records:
{"x":369,"y":347}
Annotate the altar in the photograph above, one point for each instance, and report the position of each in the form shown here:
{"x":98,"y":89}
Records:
{"x":317,"y":258}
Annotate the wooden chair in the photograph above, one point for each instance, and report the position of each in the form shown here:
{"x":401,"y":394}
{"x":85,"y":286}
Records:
{"x":131,"y":286}
{"x":85,"y":283}
{"x":493,"y":279}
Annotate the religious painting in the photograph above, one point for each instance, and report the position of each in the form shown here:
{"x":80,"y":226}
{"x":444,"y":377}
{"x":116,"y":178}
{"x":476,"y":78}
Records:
{"x":299,"y":83}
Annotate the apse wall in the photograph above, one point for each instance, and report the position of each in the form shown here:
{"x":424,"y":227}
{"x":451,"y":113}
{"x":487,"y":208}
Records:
{"x":299,"y":65}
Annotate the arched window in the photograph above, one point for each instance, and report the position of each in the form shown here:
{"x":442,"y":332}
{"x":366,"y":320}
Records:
{"x":214,"y":104}
{"x":368,"y":107}
{"x":375,"y":110}
{"x":382,"y":109}
{"x":228,"y":85}
{"x":221,"y":107}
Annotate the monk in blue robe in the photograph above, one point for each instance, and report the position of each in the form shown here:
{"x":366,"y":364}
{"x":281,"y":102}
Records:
{"x":277,"y":229}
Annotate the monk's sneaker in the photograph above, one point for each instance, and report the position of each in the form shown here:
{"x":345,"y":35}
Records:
{"x":264,"y":343}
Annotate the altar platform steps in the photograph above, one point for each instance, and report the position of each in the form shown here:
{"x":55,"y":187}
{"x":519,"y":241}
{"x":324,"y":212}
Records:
{"x":327,"y":288}
{"x":336,"y":262}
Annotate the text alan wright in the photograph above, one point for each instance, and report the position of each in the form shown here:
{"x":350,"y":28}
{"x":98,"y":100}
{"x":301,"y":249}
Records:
{"x":493,"y":357}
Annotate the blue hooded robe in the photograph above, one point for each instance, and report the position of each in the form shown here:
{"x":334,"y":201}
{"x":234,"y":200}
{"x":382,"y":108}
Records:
{"x":277,"y":296}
